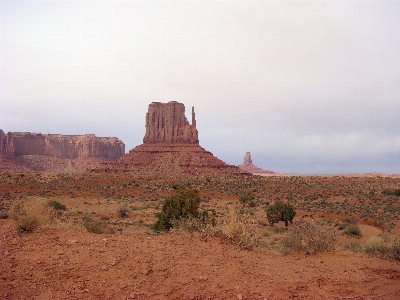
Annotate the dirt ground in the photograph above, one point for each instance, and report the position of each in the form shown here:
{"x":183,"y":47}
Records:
{"x":63,"y":261}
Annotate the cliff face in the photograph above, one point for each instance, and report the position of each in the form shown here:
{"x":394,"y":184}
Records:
{"x":166,"y":123}
{"x":3,"y":143}
{"x":31,"y":149}
{"x":61,"y":146}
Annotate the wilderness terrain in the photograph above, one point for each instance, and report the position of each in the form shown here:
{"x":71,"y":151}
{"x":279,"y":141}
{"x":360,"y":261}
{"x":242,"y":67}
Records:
{"x":62,"y":260}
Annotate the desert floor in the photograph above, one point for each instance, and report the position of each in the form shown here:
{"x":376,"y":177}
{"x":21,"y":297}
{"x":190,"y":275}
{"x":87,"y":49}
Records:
{"x":61,"y":260}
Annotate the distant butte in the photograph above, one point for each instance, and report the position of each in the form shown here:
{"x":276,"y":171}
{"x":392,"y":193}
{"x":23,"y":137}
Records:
{"x":25,"y":151}
{"x":249,"y":167}
{"x":170,"y":147}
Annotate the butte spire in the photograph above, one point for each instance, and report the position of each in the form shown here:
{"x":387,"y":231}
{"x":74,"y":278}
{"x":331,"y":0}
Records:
{"x":170,"y":148}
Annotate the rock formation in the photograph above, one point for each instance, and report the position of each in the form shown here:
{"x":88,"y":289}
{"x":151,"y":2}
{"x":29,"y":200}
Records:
{"x":166,"y":123}
{"x":170,"y":148}
{"x":249,"y":167}
{"x":55,"y":152}
{"x":247,"y":159}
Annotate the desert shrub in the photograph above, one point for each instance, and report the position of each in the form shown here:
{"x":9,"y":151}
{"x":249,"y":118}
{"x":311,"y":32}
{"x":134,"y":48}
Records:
{"x":3,"y":214}
{"x":349,"y":227}
{"x":123,"y":211}
{"x":238,"y":230}
{"x":352,"y":230}
{"x":184,"y":204}
{"x":395,"y":192}
{"x":383,"y":246}
{"x":203,"y":224}
{"x":56,"y":208}
{"x":56,"y":205}
{"x":248,"y":199}
{"x":279,"y":230}
{"x":29,"y":215}
{"x":280,"y":211}
{"x":94,"y":226}
{"x":354,"y":247}
{"x":310,"y":238}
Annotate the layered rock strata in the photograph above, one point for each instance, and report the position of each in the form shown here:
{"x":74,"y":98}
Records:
{"x":166,"y":123}
{"x":55,"y":152}
{"x":249,"y":167}
{"x":170,"y":148}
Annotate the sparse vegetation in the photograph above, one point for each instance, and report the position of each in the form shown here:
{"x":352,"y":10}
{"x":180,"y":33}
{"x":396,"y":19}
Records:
{"x":28,"y":216}
{"x":56,"y":205}
{"x":395,"y":192}
{"x":350,"y":227}
{"x":238,"y":230}
{"x":353,"y":230}
{"x":309,"y":238}
{"x":249,"y":199}
{"x":123,"y":210}
{"x":94,"y":226}
{"x":381,"y":246}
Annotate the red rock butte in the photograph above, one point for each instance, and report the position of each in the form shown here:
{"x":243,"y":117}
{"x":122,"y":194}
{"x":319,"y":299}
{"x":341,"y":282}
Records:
{"x":25,"y":151}
{"x":249,"y":167}
{"x":170,"y":148}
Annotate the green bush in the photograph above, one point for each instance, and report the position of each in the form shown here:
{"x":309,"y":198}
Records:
{"x":249,"y":199}
{"x":93,"y":226}
{"x":56,"y":205}
{"x":395,"y":192}
{"x":280,"y":211}
{"x":184,"y":204}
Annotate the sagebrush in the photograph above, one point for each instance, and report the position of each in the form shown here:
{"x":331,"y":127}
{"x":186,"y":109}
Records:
{"x":29,"y":215}
{"x":309,"y":238}
{"x":96,"y":226}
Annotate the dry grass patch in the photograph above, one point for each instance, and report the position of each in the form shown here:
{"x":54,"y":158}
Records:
{"x":309,"y":238}
{"x":383,"y":246}
{"x":29,"y":215}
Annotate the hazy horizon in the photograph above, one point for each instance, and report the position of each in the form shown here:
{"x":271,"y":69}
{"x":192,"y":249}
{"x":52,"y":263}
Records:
{"x":306,"y":87}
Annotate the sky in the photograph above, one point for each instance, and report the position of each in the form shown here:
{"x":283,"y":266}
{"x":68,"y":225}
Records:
{"x":308,"y":87}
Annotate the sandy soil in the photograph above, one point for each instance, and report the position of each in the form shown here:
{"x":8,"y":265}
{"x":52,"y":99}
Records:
{"x":56,"y":263}
{"x":63,"y":261}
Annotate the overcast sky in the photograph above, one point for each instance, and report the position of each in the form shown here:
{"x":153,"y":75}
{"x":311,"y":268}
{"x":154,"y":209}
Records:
{"x":305,"y":86}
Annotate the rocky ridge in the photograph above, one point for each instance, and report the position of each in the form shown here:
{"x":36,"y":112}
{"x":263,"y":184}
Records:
{"x":25,"y":151}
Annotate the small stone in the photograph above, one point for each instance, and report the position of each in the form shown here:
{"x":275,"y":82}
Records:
{"x":146,"y":272}
{"x":122,"y":285}
{"x":239,"y":296}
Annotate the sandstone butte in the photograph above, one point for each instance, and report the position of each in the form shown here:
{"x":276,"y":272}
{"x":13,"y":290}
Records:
{"x":25,"y":151}
{"x":249,"y":167}
{"x":170,"y":148}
